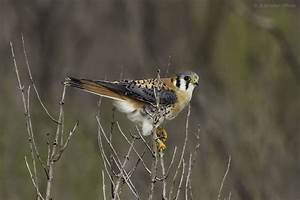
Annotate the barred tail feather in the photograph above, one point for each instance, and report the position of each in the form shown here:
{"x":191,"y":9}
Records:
{"x":92,"y":87}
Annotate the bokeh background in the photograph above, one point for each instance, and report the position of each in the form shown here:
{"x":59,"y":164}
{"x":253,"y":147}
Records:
{"x":247,"y":104}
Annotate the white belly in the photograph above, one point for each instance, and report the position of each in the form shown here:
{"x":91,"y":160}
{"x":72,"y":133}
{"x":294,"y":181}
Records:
{"x":136,"y":115}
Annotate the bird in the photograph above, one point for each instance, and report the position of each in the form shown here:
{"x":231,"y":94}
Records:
{"x":147,"y":102}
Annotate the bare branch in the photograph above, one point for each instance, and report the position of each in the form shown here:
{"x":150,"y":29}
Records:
{"x":153,"y":166}
{"x":117,"y":160}
{"x":52,"y":149}
{"x":170,"y":165}
{"x":33,"y":180}
{"x":55,"y":147}
{"x":32,"y":142}
{"x":103,"y":185}
{"x":123,"y":168}
{"x":32,"y":145}
{"x":181,"y":180}
{"x":62,"y":149}
{"x":229,"y":196}
{"x":144,"y":141}
{"x":103,"y":155}
{"x":136,"y":152}
{"x":194,"y":156}
{"x":182,"y":152}
{"x":33,"y":84}
{"x":126,"y":179}
{"x":224,"y":178}
{"x":188,"y":177}
{"x":140,"y":159}
{"x":163,"y":170}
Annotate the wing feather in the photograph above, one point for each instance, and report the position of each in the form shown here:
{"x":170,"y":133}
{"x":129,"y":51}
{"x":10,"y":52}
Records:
{"x":92,"y":87}
{"x":140,"y":90}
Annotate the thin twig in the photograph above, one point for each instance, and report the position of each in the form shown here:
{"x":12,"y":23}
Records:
{"x":194,"y":156}
{"x":224,"y":178}
{"x":32,"y":142}
{"x":117,"y":161}
{"x":163,"y":171}
{"x":229,"y":196}
{"x":55,"y":147}
{"x":32,"y":145}
{"x":181,"y":180}
{"x":126,"y":179}
{"x":170,"y":165}
{"x":33,"y":180}
{"x":153,"y":166}
{"x":65,"y":145}
{"x":103,"y":155}
{"x":30,"y":132}
{"x":103,"y":185}
{"x":188,"y":176}
{"x":123,"y":168}
{"x":140,"y":159}
{"x":134,"y":149}
{"x":144,"y":141}
{"x":182,"y":152}
{"x":33,"y":84}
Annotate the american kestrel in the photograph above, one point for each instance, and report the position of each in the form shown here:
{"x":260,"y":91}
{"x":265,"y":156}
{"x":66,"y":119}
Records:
{"x":139,"y":98}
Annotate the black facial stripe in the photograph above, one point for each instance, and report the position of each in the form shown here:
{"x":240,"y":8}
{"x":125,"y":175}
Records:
{"x":178,"y":82}
{"x":187,"y":84}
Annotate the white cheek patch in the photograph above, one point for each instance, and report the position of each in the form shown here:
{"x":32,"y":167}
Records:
{"x":182,"y":84}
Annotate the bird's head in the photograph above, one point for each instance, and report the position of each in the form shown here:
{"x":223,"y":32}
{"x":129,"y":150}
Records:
{"x":186,"y":81}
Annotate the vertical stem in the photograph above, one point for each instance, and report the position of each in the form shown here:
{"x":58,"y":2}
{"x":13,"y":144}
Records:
{"x":55,"y":148}
{"x":153,"y":165}
{"x":163,"y":170}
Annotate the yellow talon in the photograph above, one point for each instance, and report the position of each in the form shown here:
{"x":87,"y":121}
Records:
{"x":160,"y":145}
{"x":162,"y":136}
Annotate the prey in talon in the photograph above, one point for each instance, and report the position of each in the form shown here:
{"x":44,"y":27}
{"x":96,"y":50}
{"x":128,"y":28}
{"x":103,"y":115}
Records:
{"x":138,"y":98}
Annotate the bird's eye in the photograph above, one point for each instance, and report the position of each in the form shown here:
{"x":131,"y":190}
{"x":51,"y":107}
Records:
{"x":186,"y":78}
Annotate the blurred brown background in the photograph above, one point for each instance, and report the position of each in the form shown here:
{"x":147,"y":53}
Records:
{"x":247,"y":104}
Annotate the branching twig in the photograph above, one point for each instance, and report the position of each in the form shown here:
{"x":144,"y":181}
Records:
{"x":136,"y":152}
{"x":182,"y":152}
{"x":33,"y":180}
{"x":33,"y":84}
{"x":32,"y":145}
{"x":55,"y":148}
{"x":104,"y":157}
{"x":115,"y":157}
{"x":170,"y":165}
{"x":62,"y":149}
{"x":54,"y":153}
{"x":123,"y":168}
{"x":144,"y":141}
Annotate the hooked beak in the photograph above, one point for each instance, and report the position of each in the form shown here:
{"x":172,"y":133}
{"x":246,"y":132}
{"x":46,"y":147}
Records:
{"x":195,"y":80}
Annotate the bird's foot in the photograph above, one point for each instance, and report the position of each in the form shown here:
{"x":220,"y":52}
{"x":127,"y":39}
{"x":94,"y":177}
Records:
{"x":162,"y":136}
{"x":160,"y":145}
